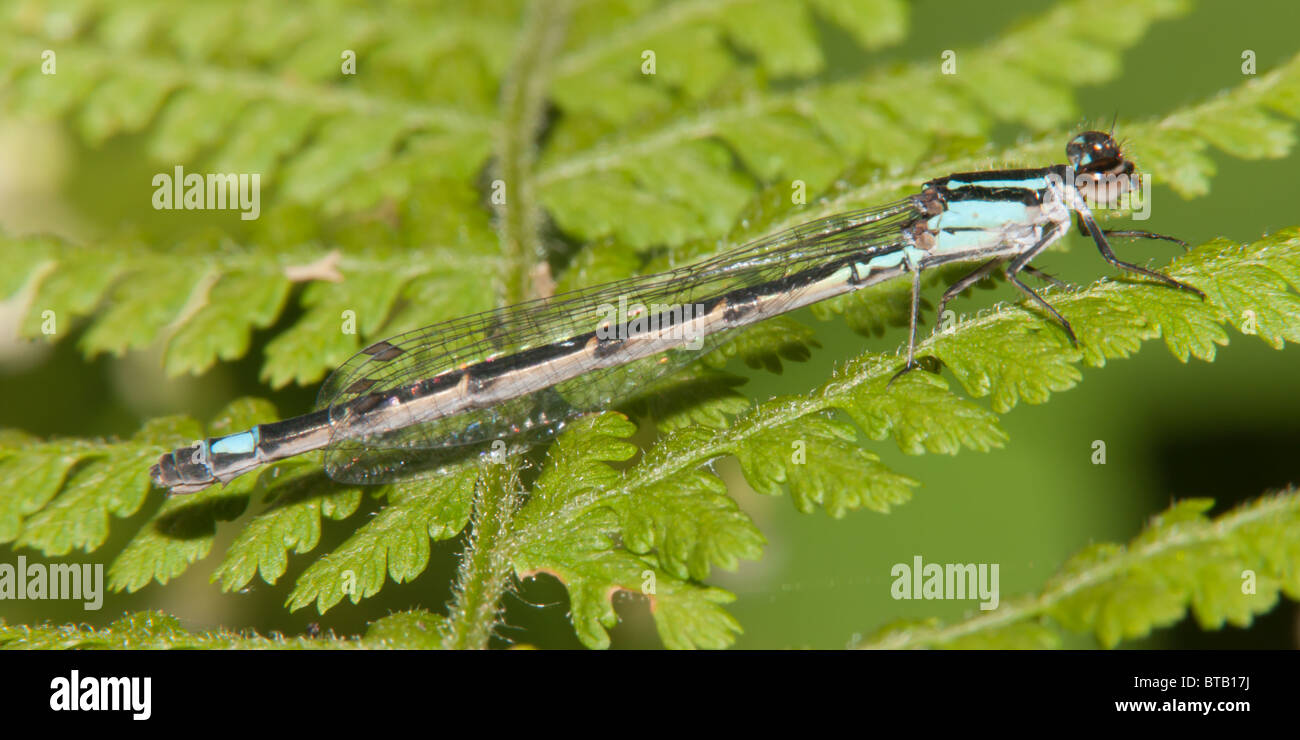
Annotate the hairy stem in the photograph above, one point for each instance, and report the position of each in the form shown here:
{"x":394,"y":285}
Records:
{"x":514,"y":190}
{"x":484,"y":570}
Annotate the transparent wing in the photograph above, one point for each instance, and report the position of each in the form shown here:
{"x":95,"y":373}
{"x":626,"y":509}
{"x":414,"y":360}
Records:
{"x":514,"y":334}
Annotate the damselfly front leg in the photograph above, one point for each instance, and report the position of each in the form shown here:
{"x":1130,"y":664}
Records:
{"x":1130,"y":234}
{"x":1104,"y":247}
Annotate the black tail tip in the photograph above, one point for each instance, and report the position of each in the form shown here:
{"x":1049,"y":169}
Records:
{"x":176,"y":472}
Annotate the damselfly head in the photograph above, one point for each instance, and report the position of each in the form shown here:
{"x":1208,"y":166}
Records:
{"x":1101,"y":172}
{"x":1096,"y":152}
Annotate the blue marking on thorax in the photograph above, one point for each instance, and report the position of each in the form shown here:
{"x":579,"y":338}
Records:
{"x":909,"y":253}
{"x":980,"y":214}
{"x":1027,"y":183}
{"x":963,"y":241}
{"x":970,"y":225}
{"x":885,"y":260}
{"x":235,"y":444}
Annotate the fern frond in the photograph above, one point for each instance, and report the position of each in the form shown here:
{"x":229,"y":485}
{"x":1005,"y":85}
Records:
{"x":379,"y":204}
{"x":158,"y":631}
{"x":692,"y":44}
{"x":670,"y":181}
{"x":394,"y":544}
{"x":204,"y":305}
{"x":60,"y":494}
{"x":1225,"y":570}
{"x":691,"y":521}
{"x":187,"y":295}
{"x":273,"y":99}
{"x":591,"y":525}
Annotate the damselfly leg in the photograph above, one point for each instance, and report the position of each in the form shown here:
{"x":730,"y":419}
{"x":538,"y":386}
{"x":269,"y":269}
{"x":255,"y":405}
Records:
{"x":1104,"y":247}
{"x":911,"y":363}
{"x":1021,"y":261}
{"x":1130,"y":234}
{"x":956,"y":288}
{"x":1047,"y":278}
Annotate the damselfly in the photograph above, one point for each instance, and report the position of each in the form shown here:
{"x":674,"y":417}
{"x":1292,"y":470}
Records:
{"x":399,"y":406}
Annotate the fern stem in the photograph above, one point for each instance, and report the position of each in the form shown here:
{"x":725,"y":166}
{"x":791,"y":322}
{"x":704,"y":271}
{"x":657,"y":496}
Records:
{"x":514,"y":189}
{"x":484,"y":571}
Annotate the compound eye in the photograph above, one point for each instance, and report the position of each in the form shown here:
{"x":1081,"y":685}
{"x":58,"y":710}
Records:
{"x":1091,"y":148}
{"x":1074,"y":150}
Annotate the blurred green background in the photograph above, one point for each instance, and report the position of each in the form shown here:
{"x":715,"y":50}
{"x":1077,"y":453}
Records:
{"x":1228,"y":430}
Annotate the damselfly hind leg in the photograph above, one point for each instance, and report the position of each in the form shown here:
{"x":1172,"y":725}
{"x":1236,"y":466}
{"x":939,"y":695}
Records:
{"x":971,"y":278}
{"x":911,"y":363}
{"x":909,"y":367}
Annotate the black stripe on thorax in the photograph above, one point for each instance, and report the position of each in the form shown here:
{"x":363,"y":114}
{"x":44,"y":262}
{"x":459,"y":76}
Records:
{"x":992,"y":185}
